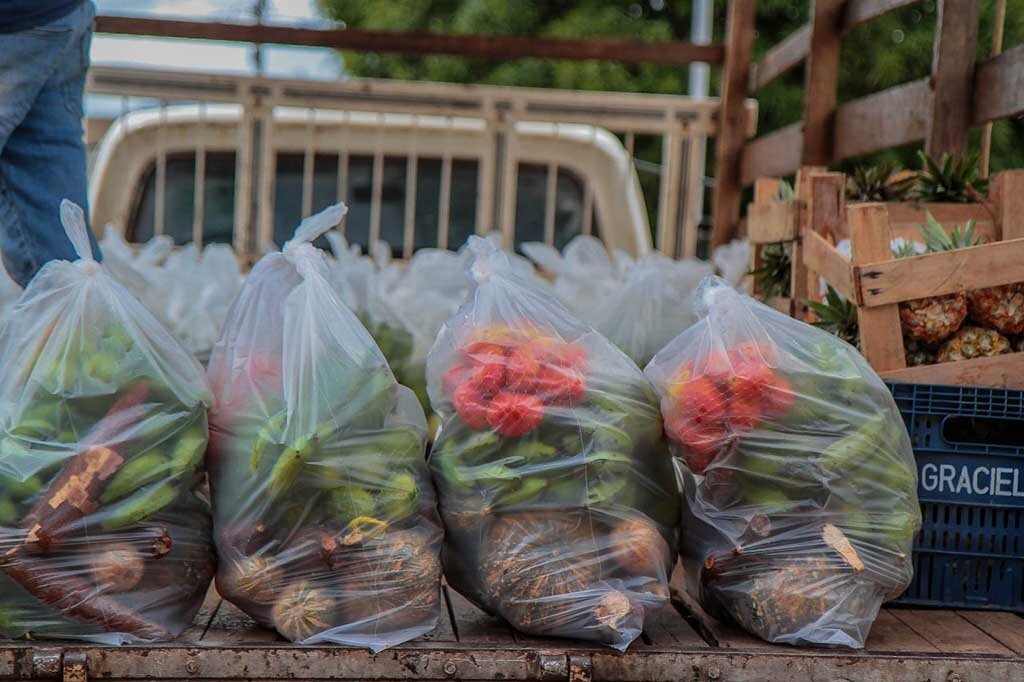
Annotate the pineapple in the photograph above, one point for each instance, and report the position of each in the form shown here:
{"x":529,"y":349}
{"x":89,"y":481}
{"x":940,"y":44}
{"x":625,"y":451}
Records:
{"x":772,"y":279}
{"x":882,"y":182}
{"x":973,"y":342}
{"x":933,"y":319}
{"x":837,"y":316}
{"x":1001,"y":308}
{"x":918,"y":354}
{"x":952,"y":179}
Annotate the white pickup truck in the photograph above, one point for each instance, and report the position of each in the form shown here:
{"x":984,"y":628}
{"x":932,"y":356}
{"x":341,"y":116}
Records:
{"x":224,"y":158}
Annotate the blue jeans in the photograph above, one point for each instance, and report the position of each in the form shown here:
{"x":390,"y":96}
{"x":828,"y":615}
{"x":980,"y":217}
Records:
{"x":42,"y":152}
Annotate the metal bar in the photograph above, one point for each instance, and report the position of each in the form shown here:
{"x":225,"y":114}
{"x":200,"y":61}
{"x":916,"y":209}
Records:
{"x":667,"y":200}
{"x":630,"y":144}
{"x":485,"y":182}
{"x":199,"y":182}
{"x":161,"y":173}
{"x":409,"y":228}
{"x":509,"y":179}
{"x":267,"y":171}
{"x":308,"y":163}
{"x":550,"y":191}
{"x":244,"y":179}
{"x":412,"y":42}
{"x":341,"y":191}
{"x":588,"y":208}
{"x":444,"y":200}
{"x":693,"y":193}
{"x":375,"y":196}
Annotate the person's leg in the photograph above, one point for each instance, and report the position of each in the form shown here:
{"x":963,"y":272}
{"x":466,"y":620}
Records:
{"x":42,"y":160}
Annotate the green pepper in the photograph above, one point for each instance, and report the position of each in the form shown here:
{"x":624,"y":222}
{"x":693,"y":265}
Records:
{"x":268,"y":434}
{"x":529,"y":489}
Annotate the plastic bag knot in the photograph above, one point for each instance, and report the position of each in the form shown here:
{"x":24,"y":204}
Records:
{"x":488,"y":260}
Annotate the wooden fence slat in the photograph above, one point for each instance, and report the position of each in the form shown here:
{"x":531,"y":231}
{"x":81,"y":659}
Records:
{"x":880,"y":336}
{"x":956,"y":37}
{"x":1007,"y":193}
{"x":822,"y":75}
{"x":781,"y":58}
{"x":861,"y":11}
{"x":413,"y":42}
{"x":774,"y":154}
{"x":936,"y":274}
{"x":732,"y":120}
{"x":888,"y":118}
{"x":999,"y":86}
{"x":824,"y":260}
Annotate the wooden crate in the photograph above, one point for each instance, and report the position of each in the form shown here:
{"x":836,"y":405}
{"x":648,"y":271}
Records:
{"x":877,"y":282}
{"x":772,"y":221}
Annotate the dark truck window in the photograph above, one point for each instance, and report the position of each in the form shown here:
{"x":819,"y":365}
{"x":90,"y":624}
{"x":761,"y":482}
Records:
{"x":179,"y":199}
{"x":531,"y":200}
{"x":219,"y":212}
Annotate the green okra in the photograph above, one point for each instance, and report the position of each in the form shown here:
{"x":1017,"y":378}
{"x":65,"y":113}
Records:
{"x":134,"y":474}
{"x":140,"y":506}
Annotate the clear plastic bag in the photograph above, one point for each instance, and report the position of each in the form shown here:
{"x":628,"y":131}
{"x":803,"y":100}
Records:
{"x":324,"y":514}
{"x":585,"y":276}
{"x":557,"y":491}
{"x":799,"y":483}
{"x":652,"y":305}
{"x":102,"y":533}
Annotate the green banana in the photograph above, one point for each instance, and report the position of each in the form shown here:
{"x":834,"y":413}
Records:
{"x":141,"y":505}
{"x":136,"y":473}
{"x":267,"y":435}
{"x":290,"y":463}
{"x":854,"y":449}
{"x":35,"y":426}
{"x":188,"y":452}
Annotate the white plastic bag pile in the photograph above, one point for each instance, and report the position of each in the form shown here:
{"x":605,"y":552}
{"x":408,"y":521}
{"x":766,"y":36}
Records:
{"x":189,"y":290}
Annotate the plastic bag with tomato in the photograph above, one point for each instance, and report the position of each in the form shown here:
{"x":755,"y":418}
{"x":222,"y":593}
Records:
{"x":325,"y":518}
{"x":557,"y":491}
{"x":799,"y":483}
{"x":104,"y":531}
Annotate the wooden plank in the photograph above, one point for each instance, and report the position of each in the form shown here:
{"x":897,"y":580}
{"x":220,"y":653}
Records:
{"x":732,"y":120}
{"x":413,"y":42}
{"x":950,"y":633}
{"x":889,"y":118}
{"x":209,"y":607}
{"x":890,"y":634}
{"x":445,"y":630}
{"x":668,"y":629}
{"x":822,"y":76}
{"x":999,"y":87}
{"x":956,"y":37}
{"x":781,"y":58}
{"x":1001,"y":371}
{"x":230,"y":625}
{"x":880,"y":336}
{"x":775,"y":154}
{"x":473,"y":625}
{"x":824,"y":260}
{"x":860,"y":11}
{"x":1005,"y":628}
{"x":1007,"y":193}
{"x":799,"y":291}
{"x":935,"y":274}
{"x":773,"y":222}
{"x":906,"y":218}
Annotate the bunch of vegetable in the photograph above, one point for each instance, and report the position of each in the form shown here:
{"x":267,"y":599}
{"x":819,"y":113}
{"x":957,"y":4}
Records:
{"x":325,"y":518}
{"x":102,"y":437}
{"x":800,"y":490}
{"x":556,"y":489}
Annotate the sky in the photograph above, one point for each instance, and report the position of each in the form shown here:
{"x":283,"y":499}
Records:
{"x":297,"y":62}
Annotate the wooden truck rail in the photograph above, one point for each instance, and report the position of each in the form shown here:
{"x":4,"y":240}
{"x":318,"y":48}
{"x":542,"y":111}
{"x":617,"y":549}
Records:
{"x":682,"y":643}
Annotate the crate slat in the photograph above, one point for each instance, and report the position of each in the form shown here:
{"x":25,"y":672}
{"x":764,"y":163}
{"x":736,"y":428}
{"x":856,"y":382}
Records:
{"x":949,"y":632}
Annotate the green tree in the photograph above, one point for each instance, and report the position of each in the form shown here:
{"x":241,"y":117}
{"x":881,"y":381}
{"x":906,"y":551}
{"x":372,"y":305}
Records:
{"x":887,"y":51}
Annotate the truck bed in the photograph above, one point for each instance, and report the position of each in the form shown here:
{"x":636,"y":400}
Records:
{"x":682,"y":643}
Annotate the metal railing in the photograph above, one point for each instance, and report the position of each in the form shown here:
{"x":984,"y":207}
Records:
{"x":499,"y":113}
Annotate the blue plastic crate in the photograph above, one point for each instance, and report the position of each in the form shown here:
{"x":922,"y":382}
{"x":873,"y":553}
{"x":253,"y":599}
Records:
{"x":969,"y":445}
